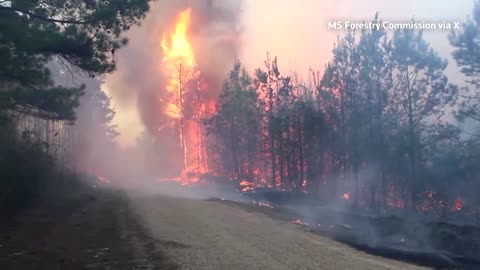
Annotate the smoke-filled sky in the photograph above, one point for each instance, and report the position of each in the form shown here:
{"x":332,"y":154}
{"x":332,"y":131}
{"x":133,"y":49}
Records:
{"x":295,"y":31}
{"x":298,"y":33}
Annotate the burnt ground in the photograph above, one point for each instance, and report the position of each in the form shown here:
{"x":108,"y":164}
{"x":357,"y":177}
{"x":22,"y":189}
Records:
{"x":94,"y":231}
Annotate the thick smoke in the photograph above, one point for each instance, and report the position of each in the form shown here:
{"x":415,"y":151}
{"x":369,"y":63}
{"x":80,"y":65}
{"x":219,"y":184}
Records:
{"x":295,"y":32}
{"x":138,"y":85}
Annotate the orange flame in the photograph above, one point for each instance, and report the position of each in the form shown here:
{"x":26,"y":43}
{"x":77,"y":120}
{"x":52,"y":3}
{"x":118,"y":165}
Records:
{"x":458,"y":204}
{"x":173,"y":111}
{"x":179,"y":59}
{"x":304,"y":183}
{"x":187,"y":103}
{"x":346,"y":196}
{"x":180,"y":46}
{"x":246,"y":186}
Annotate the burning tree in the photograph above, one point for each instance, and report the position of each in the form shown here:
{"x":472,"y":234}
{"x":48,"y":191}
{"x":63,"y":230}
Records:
{"x":180,"y":63}
{"x":187,"y":104}
{"x":369,"y":132}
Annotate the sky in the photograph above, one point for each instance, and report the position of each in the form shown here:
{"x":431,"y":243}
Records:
{"x":299,"y":36}
{"x":294,"y":30}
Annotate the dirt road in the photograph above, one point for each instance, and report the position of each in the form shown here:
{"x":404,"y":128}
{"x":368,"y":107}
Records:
{"x":200,"y":234}
{"x":106,"y":230}
{"x":92,"y":231}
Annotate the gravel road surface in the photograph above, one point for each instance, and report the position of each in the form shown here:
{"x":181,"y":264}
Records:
{"x":201,"y":234}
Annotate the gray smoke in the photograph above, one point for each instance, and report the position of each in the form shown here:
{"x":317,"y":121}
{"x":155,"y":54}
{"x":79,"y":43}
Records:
{"x":138,"y":85}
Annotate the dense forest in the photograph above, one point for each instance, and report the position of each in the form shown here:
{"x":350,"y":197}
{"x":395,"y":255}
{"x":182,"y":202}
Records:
{"x":52,"y":56}
{"x":382,"y":127}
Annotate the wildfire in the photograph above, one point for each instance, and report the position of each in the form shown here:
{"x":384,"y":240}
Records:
{"x":180,"y":46}
{"x":304,"y":183}
{"x":346,"y":196}
{"x":458,"y":204}
{"x":181,"y":68}
{"x":173,"y":111}
{"x":180,"y":61}
{"x":179,"y":51}
{"x":299,"y":222}
{"x":246,"y":186}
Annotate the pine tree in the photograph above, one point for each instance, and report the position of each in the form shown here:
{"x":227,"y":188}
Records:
{"x":235,"y":125}
{"x":84,"y":34}
{"x":467,"y":55}
{"x":420,"y":96}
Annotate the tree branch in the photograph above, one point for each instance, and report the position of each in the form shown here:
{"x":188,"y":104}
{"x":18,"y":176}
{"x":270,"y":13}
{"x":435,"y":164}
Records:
{"x":33,"y":15}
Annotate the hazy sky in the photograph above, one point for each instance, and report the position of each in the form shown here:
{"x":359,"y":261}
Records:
{"x":296,"y":31}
